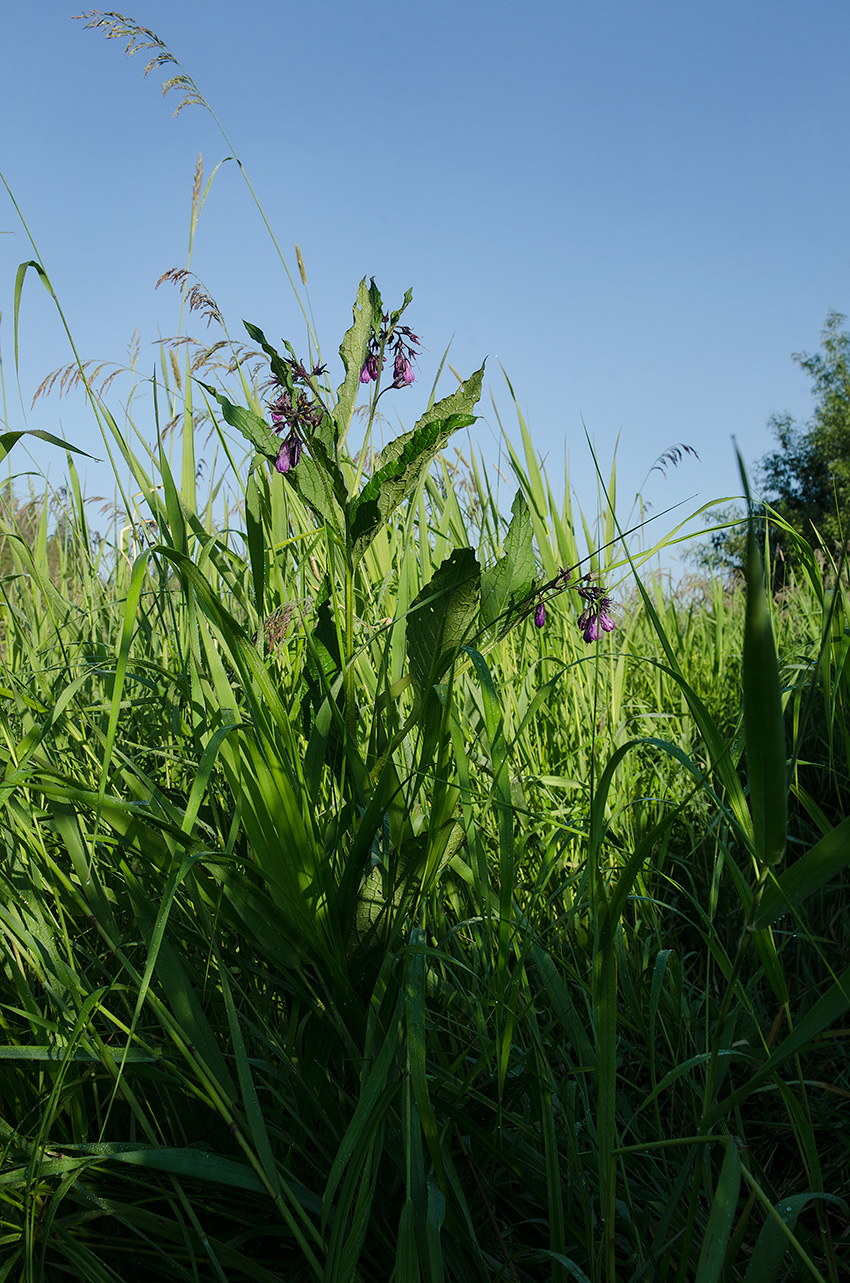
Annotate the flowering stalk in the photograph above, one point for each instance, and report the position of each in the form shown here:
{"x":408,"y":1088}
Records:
{"x":594,"y":618}
{"x":404,"y":345}
{"x":596,"y":615}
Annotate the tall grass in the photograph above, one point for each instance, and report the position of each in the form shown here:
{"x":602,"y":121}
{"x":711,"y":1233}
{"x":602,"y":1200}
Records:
{"x":517,"y":1018}
{"x":327,"y":958}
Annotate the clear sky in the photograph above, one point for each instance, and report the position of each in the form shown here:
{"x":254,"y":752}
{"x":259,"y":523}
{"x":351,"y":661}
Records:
{"x":639,"y":209}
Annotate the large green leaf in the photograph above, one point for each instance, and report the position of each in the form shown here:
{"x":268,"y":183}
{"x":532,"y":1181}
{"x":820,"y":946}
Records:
{"x":400,"y":467}
{"x":321,"y":488}
{"x":442,"y":618}
{"x":403,"y":462}
{"x":513,"y":574}
{"x":461,"y":401}
{"x":368,"y":311}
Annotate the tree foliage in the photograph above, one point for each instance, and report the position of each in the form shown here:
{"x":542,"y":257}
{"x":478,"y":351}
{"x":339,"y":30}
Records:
{"x":805,"y":480}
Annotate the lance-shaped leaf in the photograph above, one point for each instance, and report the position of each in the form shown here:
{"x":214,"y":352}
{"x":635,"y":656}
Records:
{"x":279,"y":367}
{"x":320,"y":483}
{"x":399,"y":469}
{"x":252,"y":427}
{"x":764,"y":722}
{"x":442,"y":618}
{"x":401,"y":464}
{"x":462,"y":401}
{"x":395,"y":317}
{"x":513,"y":574}
{"x":368,"y":312}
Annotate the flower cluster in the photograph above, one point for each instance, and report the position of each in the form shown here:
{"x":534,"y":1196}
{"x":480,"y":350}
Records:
{"x":596,"y":614}
{"x":294,"y":412}
{"x":403,"y":344}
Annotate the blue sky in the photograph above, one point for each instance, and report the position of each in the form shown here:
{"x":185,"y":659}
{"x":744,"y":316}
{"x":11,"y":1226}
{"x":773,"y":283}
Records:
{"x":640,"y":210}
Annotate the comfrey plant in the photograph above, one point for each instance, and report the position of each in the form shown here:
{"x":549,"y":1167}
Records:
{"x":304,"y":442}
{"x":464,"y":603}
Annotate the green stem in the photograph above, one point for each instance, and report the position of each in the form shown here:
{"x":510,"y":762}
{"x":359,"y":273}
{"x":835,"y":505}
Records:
{"x":711,"y":1074}
{"x":348,"y":658}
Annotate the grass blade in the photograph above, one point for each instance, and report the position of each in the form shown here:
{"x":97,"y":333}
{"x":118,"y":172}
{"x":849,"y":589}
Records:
{"x":722,"y":1217}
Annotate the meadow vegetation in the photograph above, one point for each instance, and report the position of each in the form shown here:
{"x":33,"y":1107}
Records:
{"x":370,"y":909}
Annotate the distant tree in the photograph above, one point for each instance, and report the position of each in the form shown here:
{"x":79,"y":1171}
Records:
{"x":723,"y":552}
{"x":806,"y":479}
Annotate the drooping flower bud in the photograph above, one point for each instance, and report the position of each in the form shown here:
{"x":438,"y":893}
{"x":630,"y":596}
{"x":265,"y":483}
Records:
{"x":596,"y":616}
{"x":402,"y":370}
{"x":290,"y":453}
{"x":369,"y":373}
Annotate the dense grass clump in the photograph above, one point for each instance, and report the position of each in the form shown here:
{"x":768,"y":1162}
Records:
{"x":308,"y":980}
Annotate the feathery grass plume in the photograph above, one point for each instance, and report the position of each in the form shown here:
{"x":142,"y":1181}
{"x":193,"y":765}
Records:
{"x":175,"y":367}
{"x":117,"y":27}
{"x":197,"y":184}
{"x":79,"y":374}
{"x":672,"y":457}
{"x":195,"y":295}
